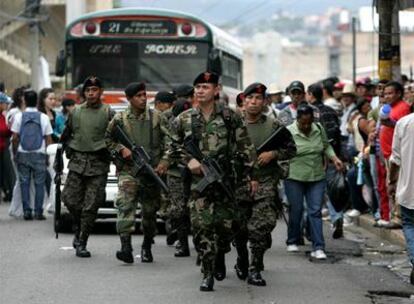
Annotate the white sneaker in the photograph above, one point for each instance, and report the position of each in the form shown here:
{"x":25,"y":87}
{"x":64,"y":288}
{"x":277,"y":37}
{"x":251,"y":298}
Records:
{"x":353,"y":213}
{"x":347,"y":221}
{"x":382,"y":223}
{"x":292,"y":248}
{"x":318,"y":254}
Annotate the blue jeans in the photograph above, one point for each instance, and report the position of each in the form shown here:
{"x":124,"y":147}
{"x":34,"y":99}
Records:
{"x":407,"y":217}
{"x":29,"y":164}
{"x":313,"y":192}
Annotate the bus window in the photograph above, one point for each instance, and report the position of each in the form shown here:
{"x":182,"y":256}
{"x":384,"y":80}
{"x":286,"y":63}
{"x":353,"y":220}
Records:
{"x":161,"y":65}
{"x":231,"y":71}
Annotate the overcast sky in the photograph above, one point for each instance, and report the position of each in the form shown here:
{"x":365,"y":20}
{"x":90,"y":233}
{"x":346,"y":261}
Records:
{"x":224,"y":11}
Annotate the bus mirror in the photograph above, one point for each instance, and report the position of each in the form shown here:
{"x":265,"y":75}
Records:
{"x":60,"y":63}
{"x":214,"y":62}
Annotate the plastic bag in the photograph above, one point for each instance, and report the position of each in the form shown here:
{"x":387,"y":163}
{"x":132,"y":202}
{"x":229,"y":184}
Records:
{"x":338,"y":190}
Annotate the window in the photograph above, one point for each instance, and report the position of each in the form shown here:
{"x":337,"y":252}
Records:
{"x":231,"y":71}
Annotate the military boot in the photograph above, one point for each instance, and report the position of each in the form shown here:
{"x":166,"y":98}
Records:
{"x":125,"y":254}
{"x":76,"y":231}
{"x":208,"y":280}
{"x":220,"y":266}
{"x":146,"y":254}
{"x":81,"y":250}
{"x":182,"y":249}
{"x":242,"y":265}
{"x":254,"y":277}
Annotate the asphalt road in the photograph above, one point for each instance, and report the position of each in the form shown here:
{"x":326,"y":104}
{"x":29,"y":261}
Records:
{"x":37,"y":268}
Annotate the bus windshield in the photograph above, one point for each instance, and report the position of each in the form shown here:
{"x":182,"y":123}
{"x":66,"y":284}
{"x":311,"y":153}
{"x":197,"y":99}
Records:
{"x":162,"y":65}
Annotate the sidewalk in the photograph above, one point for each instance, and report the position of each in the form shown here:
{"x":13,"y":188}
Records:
{"x":367,"y":222}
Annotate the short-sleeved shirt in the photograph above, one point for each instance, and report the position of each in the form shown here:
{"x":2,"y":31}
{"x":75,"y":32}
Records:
{"x":398,"y":110}
{"x":44,"y":123}
{"x":402,"y":155}
{"x":308,"y":164}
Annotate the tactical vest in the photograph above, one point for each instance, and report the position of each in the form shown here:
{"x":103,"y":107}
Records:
{"x":89,"y":127}
{"x":258,"y":133}
{"x":145,"y":133}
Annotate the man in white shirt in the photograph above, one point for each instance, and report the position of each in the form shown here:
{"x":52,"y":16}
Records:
{"x":31,"y":134}
{"x":401,"y":177}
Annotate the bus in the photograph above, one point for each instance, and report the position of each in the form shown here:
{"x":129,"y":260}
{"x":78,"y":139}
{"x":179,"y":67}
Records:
{"x":162,"y":48}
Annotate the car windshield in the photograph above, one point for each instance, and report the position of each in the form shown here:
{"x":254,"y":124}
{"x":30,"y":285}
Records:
{"x":161,"y":65}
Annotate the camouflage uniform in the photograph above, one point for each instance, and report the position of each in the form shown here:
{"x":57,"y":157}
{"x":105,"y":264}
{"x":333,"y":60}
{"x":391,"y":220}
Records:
{"x":177,"y":210}
{"x":144,"y":129}
{"x":212,"y":214}
{"x":84,"y":189}
{"x":257,"y":216}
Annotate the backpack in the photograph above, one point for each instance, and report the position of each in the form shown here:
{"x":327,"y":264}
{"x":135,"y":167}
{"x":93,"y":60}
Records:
{"x":31,"y":134}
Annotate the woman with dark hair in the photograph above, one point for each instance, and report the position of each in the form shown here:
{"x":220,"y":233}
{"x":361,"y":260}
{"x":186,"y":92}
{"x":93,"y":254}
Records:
{"x":18,"y":105}
{"x":46,"y":105}
{"x":307,"y":179}
{"x":359,"y":174}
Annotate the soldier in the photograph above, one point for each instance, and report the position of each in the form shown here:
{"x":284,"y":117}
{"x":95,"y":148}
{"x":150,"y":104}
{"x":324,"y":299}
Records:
{"x":177,"y":211}
{"x":89,"y":162}
{"x":142,"y":125}
{"x":219,"y":133}
{"x":184,"y":92}
{"x":163,"y":101}
{"x":258,"y":214}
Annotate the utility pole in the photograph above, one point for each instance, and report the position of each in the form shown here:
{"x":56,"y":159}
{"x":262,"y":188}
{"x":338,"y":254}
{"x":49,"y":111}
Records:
{"x":354,"y":50}
{"x":32,"y":12}
{"x":396,"y":43}
{"x":385,"y":10}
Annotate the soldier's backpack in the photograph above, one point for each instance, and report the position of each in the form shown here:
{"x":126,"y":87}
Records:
{"x":31,"y":134}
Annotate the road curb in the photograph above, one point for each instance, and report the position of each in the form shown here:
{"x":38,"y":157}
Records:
{"x":394,"y":236}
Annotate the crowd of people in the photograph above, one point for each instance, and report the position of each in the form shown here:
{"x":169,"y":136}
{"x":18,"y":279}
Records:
{"x":360,"y":129}
{"x":332,"y":130}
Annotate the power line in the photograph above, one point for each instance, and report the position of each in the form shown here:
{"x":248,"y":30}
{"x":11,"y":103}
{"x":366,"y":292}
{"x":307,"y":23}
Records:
{"x":250,"y":9}
{"x":210,"y":7}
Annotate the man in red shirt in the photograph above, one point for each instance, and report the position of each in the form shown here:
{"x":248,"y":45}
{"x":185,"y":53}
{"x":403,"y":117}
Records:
{"x":393,"y":94}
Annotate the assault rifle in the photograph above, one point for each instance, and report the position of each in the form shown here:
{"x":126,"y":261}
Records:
{"x":140,"y":159}
{"x":58,"y":167}
{"x":213,"y":173}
